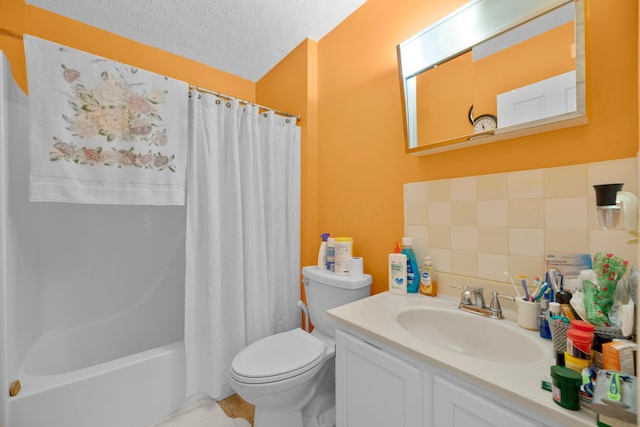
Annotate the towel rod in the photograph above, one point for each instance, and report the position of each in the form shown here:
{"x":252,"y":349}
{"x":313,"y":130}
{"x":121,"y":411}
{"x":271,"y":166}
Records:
{"x":242,"y":101}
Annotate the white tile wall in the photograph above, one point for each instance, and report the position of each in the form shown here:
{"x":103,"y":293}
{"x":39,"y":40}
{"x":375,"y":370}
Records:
{"x":481,"y":226}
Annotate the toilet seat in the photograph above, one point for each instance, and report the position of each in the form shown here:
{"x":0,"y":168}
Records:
{"x":278,"y":357}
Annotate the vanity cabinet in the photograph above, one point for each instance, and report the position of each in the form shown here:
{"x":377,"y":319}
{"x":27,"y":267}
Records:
{"x":375,"y":387}
{"x":457,"y":406}
{"x":380,"y":386}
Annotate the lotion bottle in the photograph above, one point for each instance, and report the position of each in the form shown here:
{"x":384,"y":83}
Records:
{"x":322,"y":252}
{"x":398,"y":274}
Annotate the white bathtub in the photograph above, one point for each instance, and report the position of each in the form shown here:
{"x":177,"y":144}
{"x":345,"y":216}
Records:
{"x":91,"y":299}
{"x":132,"y":391}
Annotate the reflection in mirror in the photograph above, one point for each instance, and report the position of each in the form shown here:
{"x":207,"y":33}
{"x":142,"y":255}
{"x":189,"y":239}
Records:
{"x":520,"y":74}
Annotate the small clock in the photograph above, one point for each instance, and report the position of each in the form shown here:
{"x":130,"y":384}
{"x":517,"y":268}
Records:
{"x":485,"y":123}
{"x":482,"y":123}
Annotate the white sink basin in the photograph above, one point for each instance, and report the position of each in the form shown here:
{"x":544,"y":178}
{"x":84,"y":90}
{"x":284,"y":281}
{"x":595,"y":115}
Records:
{"x":472,"y":335}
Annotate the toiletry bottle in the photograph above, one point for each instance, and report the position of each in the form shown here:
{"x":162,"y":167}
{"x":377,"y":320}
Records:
{"x":428,"y":284}
{"x":545,"y":331}
{"x":322,"y":252}
{"x":413,"y":274}
{"x":398,"y":274}
{"x":331,"y":253}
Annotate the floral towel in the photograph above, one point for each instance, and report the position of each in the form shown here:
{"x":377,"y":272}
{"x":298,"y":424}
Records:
{"x":103,"y":132}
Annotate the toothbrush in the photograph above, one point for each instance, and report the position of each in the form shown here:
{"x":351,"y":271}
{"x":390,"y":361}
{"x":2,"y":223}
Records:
{"x":523,"y":282}
{"x":538,"y":283}
{"x":553,"y":279}
{"x":543,"y":291}
{"x":506,"y":273}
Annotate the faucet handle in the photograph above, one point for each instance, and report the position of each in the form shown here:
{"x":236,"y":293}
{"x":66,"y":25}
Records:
{"x":465,"y":297}
{"x":495,"y":304}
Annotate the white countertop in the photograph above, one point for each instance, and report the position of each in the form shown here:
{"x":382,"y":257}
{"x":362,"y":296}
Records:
{"x":376,"y":317}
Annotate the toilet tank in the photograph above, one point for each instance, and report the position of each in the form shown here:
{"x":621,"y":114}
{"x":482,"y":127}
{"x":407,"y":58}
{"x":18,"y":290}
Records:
{"x":326,"y":290}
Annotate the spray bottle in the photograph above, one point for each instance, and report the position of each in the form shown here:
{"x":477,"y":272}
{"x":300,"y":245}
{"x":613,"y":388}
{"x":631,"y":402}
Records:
{"x":322,"y":253}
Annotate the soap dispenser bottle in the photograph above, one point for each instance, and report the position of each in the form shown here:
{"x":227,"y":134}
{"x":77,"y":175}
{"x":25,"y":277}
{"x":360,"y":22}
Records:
{"x":413,"y":274}
{"x":428,"y":284}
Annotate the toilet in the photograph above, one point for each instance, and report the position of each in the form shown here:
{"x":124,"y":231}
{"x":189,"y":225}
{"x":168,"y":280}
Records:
{"x":290,"y":377}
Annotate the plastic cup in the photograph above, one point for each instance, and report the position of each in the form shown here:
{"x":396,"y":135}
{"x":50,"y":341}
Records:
{"x":528,"y":313}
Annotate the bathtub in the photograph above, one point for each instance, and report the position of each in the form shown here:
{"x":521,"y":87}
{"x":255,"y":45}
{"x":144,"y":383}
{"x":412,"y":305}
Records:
{"x":91,"y":299}
{"x":131,"y":391}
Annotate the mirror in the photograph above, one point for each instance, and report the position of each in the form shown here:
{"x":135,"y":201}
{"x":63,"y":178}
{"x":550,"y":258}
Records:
{"x":492,"y":70}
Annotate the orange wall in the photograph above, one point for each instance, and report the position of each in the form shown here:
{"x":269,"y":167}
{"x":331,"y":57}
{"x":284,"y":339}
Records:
{"x":363,"y":165}
{"x":346,"y":88}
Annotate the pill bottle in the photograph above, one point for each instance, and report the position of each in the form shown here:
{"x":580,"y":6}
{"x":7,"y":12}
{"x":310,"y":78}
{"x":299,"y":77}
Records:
{"x":579,"y":343}
{"x":565,"y":388}
{"x":343,"y":255}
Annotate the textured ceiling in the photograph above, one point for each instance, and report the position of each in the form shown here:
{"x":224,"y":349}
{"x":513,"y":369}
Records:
{"x":243,"y":37}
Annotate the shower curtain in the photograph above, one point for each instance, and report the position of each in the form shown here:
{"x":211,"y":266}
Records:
{"x":243,"y":235}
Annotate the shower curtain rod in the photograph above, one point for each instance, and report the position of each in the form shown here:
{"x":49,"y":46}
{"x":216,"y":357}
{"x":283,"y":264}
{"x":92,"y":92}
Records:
{"x":242,"y":101}
{"x":199,"y":89}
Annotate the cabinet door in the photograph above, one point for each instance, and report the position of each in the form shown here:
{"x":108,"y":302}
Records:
{"x":456,"y":406}
{"x":374,"y":388}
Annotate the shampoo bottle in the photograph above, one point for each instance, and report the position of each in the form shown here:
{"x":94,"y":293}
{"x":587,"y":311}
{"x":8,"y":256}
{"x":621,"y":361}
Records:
{"x":322,"y":253}
{"x":428,"y":283}
{"x":398,"y":273}
{"x":413,"y":274}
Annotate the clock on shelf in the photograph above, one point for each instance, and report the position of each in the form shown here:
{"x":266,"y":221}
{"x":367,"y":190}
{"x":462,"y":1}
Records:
{"x":482,"y":123}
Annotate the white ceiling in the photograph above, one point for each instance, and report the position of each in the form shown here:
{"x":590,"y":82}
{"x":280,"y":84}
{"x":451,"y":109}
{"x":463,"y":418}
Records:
{"x":246,"y":38}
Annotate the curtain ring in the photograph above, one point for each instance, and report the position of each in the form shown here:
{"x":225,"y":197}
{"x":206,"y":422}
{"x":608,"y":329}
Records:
{"x":264,"y":114}
{"x":217,"y":102}
{"x":228,"y":104}
{"x":288,"y":121}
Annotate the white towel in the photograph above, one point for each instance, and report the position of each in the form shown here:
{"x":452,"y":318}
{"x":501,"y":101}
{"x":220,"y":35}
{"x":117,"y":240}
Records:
{"x":102,"y":131}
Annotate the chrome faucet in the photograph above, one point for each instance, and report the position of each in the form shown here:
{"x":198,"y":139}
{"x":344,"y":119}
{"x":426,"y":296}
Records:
{"x":472,"y":300}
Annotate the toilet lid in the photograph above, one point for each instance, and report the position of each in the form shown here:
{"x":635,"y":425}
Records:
{"x":278,"y":357}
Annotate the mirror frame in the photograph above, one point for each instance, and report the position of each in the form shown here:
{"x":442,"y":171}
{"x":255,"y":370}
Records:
{"x":453,"y":35}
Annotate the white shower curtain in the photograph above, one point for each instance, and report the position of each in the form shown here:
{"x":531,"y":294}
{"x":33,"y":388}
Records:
{"x":243,"y":235}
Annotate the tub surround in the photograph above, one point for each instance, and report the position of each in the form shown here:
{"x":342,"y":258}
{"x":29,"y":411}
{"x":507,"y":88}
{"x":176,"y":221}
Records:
{"x":374,"y":317}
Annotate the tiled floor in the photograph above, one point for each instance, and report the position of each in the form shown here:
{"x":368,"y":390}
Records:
{"x":234,"y":406}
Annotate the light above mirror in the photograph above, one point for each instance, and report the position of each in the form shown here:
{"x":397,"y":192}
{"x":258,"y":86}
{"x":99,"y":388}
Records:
{"x":491,"y":70}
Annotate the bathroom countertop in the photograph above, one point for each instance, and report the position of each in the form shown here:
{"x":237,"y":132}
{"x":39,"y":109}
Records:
{"x":375,"y":316}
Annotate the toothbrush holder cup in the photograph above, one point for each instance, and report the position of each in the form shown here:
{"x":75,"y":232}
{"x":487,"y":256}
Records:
{"x":528,"y":313}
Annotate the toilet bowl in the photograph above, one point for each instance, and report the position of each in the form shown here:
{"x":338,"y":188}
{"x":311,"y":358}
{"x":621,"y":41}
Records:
{"x":290,"y":377}
{"x":279,"y":375}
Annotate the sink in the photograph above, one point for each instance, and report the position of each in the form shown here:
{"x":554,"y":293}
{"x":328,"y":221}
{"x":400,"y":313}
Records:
{"x":472,"y":335}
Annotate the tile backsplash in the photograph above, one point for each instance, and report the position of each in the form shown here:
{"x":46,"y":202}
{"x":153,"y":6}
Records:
{"x":482,"y":226}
